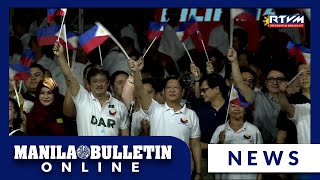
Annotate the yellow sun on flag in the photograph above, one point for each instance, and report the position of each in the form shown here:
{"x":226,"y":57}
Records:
{"x":101,"y":31}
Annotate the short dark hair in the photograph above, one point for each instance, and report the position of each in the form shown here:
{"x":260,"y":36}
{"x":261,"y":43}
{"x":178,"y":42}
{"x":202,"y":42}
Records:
{"x":174,"y":78}
{"x":149,"y":81}
{"x":97,"y":70}
{"x":36,"y":65}
{"x":115,"y":74}
{"x":86,"y":69}
{"x":214,"y":80}
{"x":248,"y":70}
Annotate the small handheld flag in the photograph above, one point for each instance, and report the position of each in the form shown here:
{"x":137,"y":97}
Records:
{"x":300,"y":52}
{"x":93,"y":37}
{"x":155,"y":30}
{"x":47,"y":35}
{"x":187,"y":29}
{"x":237,"y":98}
{"x":53,"y":12}
{"x":27,"y":57}
{"x":19,"y":72}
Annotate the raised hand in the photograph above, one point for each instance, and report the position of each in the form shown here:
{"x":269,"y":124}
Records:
{"x":58,"y":49}
{"x":232,"y":55}
{"x":195,"y":71}
{"x":284,"y":87}
{"x":140,"y":63}
{"x":133,"y":65}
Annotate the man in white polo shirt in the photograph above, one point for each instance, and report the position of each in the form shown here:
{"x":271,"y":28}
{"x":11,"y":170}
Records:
{"x":98,"y":113}
{"x":171,"y":118}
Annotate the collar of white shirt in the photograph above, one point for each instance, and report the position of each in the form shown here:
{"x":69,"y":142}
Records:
{"x":182,"y":110}
{"x":108,"y":94}
{"x":243,"y":128}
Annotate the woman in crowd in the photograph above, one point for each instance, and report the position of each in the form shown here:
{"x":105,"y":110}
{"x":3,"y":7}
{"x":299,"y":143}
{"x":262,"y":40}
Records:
{"x":15,"y":118}
{"x":45,"y":119}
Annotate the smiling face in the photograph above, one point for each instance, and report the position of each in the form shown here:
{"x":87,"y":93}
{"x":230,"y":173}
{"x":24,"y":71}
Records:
{"x":236,"y":111}
{"x":46,"y":96}
{"x":98,"y":84}
{"x":273,"y":81}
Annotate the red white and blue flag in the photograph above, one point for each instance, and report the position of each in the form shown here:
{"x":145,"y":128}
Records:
{"x":93,"y":37}
{"x":27,"y":57}
{"x":19,"y":72}
{"x":47,"y":35}
{"x":155,"y":30}
{"x":237,"y":98}
{"x":246,"y":18}
{"x":53,"y":12}
{"x":300,"y":52}
{"x":187,"y":29}
{"x":70,"y":37}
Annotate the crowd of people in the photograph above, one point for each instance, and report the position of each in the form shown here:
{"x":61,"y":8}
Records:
{"x":164,"y":94}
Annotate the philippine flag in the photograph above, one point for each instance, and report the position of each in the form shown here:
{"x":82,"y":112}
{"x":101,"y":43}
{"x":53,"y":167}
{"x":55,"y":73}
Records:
{"x":72,"y":38}
{"x":300,"y":52}
{"x":187,"y":29}
{"x":19,"y":72}
{"x":93,"y":37}
{"x":27,"y":57}
{"x":47,"y":35}
{"x":237,"y":98}
{"x":246,"y":19}
{"x":155,"y":30}
{"x":52,"y":13}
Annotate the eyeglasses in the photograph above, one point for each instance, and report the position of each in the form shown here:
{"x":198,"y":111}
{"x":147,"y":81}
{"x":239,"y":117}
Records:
{"x":278,"y":79}
{"x":204,"y":90}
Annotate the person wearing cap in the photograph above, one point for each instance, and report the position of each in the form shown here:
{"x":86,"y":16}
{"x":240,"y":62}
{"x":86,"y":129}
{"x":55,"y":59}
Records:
{"x":237,"y":131}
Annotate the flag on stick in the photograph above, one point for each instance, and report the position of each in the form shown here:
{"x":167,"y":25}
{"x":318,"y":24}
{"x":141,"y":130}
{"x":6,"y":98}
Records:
{"x":53,"y":12}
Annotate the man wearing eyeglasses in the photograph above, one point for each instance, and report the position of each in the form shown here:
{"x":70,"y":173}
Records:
{"x":266,"y":103}
{"x":212,"y":113}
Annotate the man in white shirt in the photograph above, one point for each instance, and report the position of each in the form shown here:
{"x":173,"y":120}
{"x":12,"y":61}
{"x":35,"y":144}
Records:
{"x":171,"y":118}
{"x":98,"y":113}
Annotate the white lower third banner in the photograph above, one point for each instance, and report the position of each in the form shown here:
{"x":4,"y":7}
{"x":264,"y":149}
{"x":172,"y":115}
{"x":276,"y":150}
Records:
{"x":264,"y":158}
